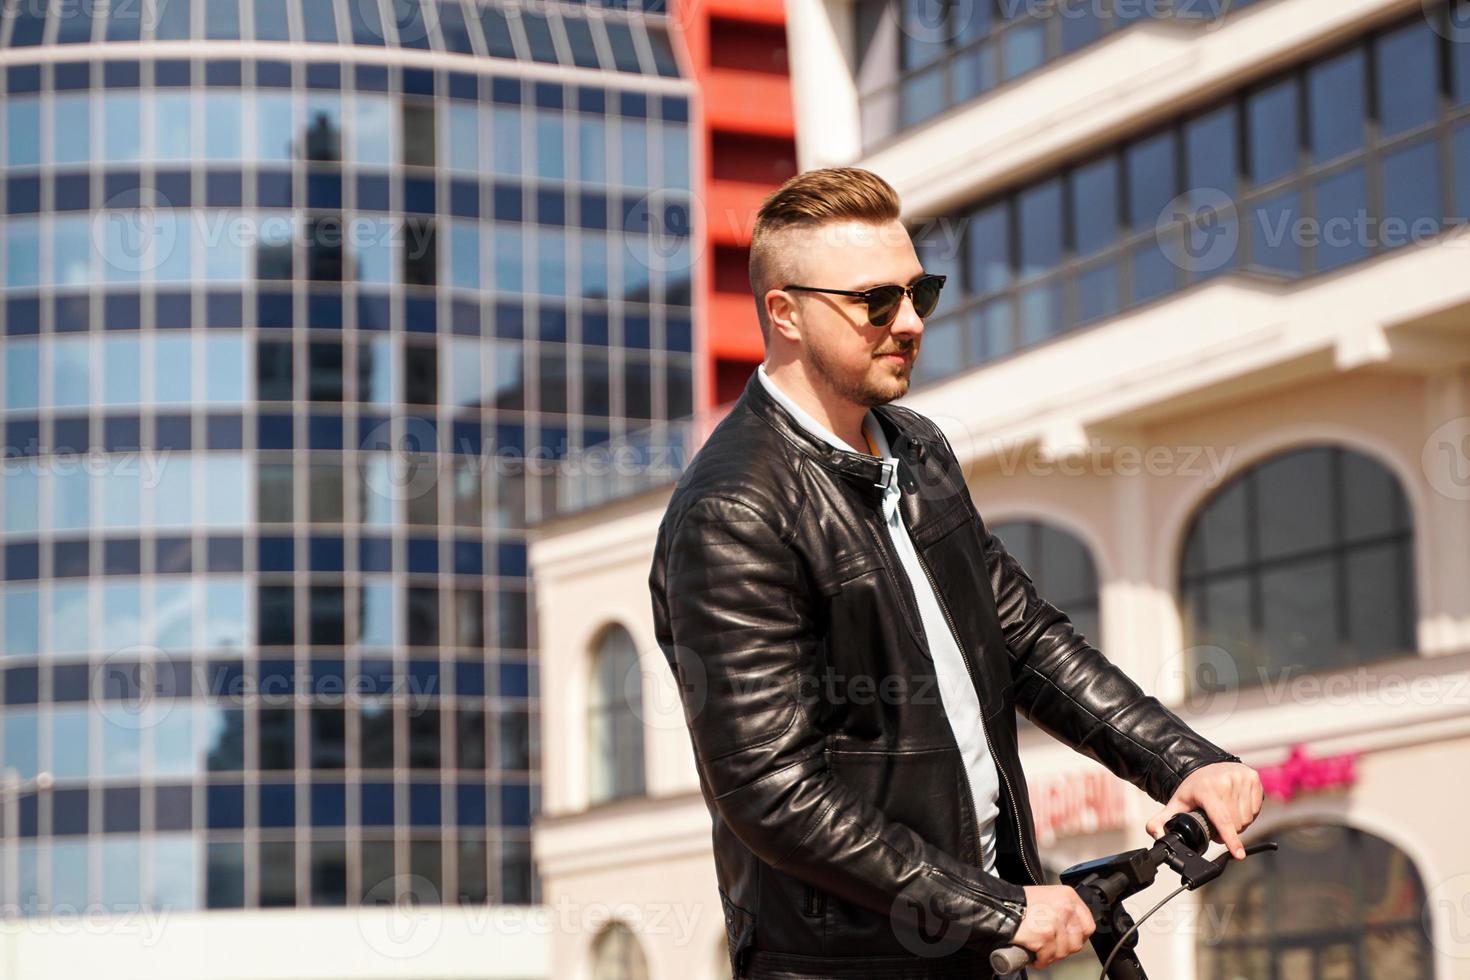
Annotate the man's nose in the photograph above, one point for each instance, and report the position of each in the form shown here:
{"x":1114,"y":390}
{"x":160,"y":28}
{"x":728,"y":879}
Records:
{"x":907,"y":323}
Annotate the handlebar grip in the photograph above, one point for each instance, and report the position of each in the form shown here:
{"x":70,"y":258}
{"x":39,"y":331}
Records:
{"x":1009,"y":959}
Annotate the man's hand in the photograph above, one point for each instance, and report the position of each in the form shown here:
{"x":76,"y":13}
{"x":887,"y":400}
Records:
{"x":1230,"y":793}
{"x":1056,"y":924}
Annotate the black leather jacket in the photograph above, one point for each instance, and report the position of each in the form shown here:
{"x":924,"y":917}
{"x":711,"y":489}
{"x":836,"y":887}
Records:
{"x":845,"y":839}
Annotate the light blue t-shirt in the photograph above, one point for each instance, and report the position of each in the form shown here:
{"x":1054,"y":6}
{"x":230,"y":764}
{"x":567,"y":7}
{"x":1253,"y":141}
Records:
{"x":957,"y":693}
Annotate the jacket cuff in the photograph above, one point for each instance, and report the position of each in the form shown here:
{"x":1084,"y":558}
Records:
{"x":1171,"y":783}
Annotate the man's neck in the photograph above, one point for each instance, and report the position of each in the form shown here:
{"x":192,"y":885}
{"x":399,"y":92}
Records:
{"x":842,"y":418}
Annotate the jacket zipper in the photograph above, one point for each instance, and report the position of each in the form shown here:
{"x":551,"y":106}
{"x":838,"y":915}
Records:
{"x":984,"y":726}
{"x":938,"y":872}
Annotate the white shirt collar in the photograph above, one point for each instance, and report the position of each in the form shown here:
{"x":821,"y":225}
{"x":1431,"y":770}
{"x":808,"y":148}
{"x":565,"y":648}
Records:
{"x":870,"y":426}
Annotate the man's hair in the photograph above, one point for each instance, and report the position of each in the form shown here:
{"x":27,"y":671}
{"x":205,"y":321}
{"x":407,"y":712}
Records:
{"x":807,"y":200}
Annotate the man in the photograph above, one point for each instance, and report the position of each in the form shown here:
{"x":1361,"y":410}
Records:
{"x":852,"y":643}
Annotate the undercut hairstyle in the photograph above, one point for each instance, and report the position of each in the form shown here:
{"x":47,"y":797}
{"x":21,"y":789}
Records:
{"x":808,"y":200}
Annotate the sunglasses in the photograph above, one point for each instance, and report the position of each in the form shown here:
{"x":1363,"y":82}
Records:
{"x":883,"y":301}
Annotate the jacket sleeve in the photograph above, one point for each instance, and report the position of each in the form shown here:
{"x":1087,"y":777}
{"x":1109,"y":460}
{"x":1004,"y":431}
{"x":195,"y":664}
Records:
{"x":1070,"y":690}
{"x":734,"y":617}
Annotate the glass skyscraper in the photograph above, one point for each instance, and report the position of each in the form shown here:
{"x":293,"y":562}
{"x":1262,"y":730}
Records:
{"x":302,"y":303}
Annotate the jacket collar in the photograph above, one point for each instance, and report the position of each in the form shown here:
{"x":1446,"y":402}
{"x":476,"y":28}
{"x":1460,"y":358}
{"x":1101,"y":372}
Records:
{"x":866,"y":472}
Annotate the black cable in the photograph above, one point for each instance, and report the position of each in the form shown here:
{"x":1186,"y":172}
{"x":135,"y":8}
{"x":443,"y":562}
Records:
{"x":1124,"y":938}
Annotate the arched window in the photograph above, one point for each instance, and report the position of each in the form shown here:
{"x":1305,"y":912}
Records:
{"x":615,"y":718}
{"x":1060,"y":565}
{"x":616,"y":955}
{"x":1332,"y":902}
{"x":1062,"y":568}
{"x":1303,"y":562}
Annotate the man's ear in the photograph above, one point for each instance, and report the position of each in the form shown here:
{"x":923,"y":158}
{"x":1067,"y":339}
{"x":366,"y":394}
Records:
{"x":782,"y":313}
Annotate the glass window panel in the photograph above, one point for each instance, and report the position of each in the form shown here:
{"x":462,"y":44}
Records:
{"x":71,"y":140}
{"x":463,"y":136}
{"x":374,"y":131}
{"x":1292,"y":494}
{"x":1461,"y":144}
{"x":376,"y":370}
{"x":1097,"y":292}
{"x":321,"y":136}
{"x":22,"y":742}
{"x":538,"y":35}
{"x":465,"y":254}
{"x":509,"y":258}
{"x":225,"y":368}
{"x":227,"y":477}
{"x":222,"y":19}
{"x":373,"y":250}
{"x":23,"y":500}
{"x":551,"y":261}
{"x":318,"y":20}
{"x":1040,"y":228}
{"x":172,"y":369}
{"x":1271,"y":118}
{"x":22,"y":373}
{"x":1151,"y":179}
{"x":1377,"y":621}
{"x":23,"y":249}
{"x":593,"y":245}
{"x":633,"y":143}
{"x":172,"y":125}
{"x":172,"y":19}
{"x":121,"y":873}
{"x":174,"y":750}
{"x":122,"y":613}
{"x":1041,"y":313}
{"x":271,"y":21}
{"x":71,"y":250}
{"x":1336,"y":91}
{"x":70,"y":500}
{"x":1094,"y":193}
{"x":70,"y":742}
{"x":1276,"y":231}
{"x":579,"y":36}
{"x":71,"y":372}
{"x":172,"y":248}
{"x":1411,"y":185}
{"x":620,"y":38}
{"x":497,"y":32}
{"x":218,"y":236}
{"x":119,"y":495}
{"x":22,"y":619}
{"x":378,"y":612}
{"x":1023,"y":48}
{"x":175,"y":879}
{"x":275,"y":125}
{"x":124,"y":752}
{"x":71,"y":619}
{"x":550,"y":136}
{"x":173,"y":496}
{"x":1299,"y":616}
{"x":592,"y":149}
{"x":1342,"y":203}
{"x":23,"y":131}
{"x":1210,"y":153}
{"x":69,"y":878}
{"x":1407,"y":69}
{"x":664,"y":60}
{"x":505,"y":139}
{"x":925,"y":27}
{"x":226,"y":625}
{"x":418,"y":133}
{"x":223,"y":125}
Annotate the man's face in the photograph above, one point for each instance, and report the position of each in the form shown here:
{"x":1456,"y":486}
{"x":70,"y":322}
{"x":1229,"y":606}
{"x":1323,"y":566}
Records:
{"x":865,"y":364}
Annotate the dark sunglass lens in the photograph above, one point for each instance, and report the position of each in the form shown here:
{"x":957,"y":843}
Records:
{"x":883,"y":303}
{"x":926,"y":295}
